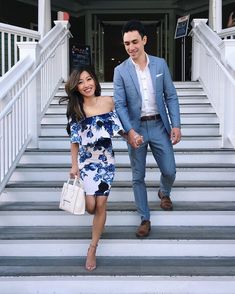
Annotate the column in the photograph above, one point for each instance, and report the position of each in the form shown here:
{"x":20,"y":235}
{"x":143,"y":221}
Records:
{"x":215,"y":15}
{"x":44,"y":17}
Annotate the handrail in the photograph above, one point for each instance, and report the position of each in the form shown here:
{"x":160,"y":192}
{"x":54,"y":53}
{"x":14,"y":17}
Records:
{"x":228,"y":33}
{"x":9,"y":36}
{"x":32,"y":76}
{"x":19,"y":30}
{"x":220,"y":64}
{"x":28,"y":88}
{"x":213,"y":67}
{"x":21,"y":66}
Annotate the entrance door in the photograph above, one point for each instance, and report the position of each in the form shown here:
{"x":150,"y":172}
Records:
{"x":109,"y":50}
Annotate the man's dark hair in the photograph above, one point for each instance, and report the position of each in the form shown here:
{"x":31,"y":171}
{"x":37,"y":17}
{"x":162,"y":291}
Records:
{"x":134,"y":25}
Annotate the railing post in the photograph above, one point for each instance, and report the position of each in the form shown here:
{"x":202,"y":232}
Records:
{"x":196,"y":50}
{"x":32,"y":49}
{"x":65,"y":51}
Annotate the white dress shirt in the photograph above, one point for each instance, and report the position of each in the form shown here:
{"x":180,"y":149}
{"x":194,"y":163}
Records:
{"x":149,"y":106}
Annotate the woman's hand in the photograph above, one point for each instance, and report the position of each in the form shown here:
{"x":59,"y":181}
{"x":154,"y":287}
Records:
{"x":74,"y":172}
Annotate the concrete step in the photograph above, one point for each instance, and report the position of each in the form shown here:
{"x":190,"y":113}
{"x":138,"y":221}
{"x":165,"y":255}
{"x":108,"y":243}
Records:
{"x":119,"y":266}
{"x":50,"y":191}
{"x":184,"y":98}
{"x":184,"y":108}
{"x":135,"y":284}
{"x":203,"y":129}
{"x":122,"y":206}
{"x":186,"y":118}
{"x":196,"y":141}
{"x":180,"y":92}
{"x":118,"y":241}
{"x":185,"y":172}
{"x":121,"y":156}
{"x":177,"y":84}
{"x":124,"y":217}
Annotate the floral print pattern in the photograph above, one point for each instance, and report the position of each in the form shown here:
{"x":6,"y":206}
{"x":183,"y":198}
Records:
{"x":96,"y":155}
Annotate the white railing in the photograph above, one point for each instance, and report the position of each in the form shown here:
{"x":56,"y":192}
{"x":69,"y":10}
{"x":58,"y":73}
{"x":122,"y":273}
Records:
{"x":26,"y":90}
{"x":228,"y":33}
{"x":9,"y":36}
{"x":213,"y":65}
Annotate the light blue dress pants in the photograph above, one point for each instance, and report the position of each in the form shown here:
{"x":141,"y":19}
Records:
{"x":157,"y":138}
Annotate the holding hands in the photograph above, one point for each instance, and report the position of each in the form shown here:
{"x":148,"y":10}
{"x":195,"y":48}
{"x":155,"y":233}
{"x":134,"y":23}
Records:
{"x":134,"y":139}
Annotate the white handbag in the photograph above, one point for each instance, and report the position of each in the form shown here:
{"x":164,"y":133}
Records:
{"x":72,"y":197}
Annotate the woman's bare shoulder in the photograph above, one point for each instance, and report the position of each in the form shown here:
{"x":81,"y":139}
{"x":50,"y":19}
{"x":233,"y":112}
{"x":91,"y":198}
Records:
{"x":108,"y":100}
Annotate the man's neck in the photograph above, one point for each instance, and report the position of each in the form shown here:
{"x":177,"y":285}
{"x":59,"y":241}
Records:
{"x":141,"y":61}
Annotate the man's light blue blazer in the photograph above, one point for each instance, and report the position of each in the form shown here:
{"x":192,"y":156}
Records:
{"x":127,"y":94}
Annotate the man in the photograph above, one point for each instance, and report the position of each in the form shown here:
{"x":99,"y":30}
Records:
{"x":144,"y":95}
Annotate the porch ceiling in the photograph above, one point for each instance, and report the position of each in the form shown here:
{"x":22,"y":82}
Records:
{"x":76,"y":7}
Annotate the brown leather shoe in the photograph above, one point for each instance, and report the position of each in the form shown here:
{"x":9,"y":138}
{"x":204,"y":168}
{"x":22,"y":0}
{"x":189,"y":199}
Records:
{"x":144,"y":229}
{"x":166,"y":203}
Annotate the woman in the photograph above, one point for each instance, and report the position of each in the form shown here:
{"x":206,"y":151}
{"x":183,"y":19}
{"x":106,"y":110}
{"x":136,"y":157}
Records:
{"x":92,"y":123}
{"x":231,"y":20}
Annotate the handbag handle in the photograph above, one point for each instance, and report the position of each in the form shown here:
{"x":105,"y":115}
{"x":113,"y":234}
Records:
{"x":75,"y":181}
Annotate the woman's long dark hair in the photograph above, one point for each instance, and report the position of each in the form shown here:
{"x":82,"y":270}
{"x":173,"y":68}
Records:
{"x":75,"y":109}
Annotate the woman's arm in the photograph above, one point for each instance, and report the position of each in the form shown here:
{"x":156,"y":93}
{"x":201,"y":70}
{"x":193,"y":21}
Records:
{"x":231,"y":20}
{"x":123,"y":134}
{"x":74,"y":158}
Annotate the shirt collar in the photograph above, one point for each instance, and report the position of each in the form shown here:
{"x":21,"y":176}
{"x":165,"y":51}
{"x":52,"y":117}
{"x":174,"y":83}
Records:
{"x":137,"y":66}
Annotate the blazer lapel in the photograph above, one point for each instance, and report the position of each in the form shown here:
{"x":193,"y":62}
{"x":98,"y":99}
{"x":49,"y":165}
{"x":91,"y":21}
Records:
{"x":133,"y":75}
{"x":153,"y":71}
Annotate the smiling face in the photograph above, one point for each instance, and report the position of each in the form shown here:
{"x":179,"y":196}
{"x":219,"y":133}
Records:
{"x":134,"y":44}
{"x":86,"y":85}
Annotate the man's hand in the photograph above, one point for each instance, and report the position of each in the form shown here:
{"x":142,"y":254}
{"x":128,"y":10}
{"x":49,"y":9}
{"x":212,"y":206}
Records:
{"x":175,"y":135}
{"x":134,"y":139}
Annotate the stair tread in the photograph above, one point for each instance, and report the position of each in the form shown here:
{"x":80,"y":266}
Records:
{"x":213,"y":114}
{"x":123,"y":206}
{"x":62,"y":124}
{"x":183,"y":103}
{"x":123,"y":233}
{"x":122,"y":184}
{"x":183,"y":136}
{"x":118,"y":266}
{"x":124,"y":165}
{"x":179,"y":150}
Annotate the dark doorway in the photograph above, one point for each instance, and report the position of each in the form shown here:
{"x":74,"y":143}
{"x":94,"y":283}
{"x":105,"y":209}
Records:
{"x":114,"y":52}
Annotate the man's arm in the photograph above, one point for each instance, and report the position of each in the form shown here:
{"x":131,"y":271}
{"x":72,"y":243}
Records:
{"x":171,"y":98}
{"x":133,"y":138}
{"x":120,"y":100}
{"x":172,"y":103}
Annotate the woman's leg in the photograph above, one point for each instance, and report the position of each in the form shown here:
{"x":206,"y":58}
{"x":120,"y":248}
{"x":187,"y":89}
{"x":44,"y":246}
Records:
{"x":97,"y":206}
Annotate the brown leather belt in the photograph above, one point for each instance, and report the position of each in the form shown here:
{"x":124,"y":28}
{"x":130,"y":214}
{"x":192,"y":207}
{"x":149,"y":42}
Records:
{"x":150,"y":117}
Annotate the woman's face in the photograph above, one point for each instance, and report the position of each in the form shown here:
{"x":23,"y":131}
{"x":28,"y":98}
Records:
{"x":86,"y":85}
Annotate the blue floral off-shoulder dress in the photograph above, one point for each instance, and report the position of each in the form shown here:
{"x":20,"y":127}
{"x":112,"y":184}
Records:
{"x":96,"y":155}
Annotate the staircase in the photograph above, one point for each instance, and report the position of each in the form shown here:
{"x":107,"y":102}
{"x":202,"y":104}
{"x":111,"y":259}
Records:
{"x":189,"y":250}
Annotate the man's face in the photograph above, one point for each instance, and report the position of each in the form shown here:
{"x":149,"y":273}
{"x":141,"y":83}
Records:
{"x":134,"y":44}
